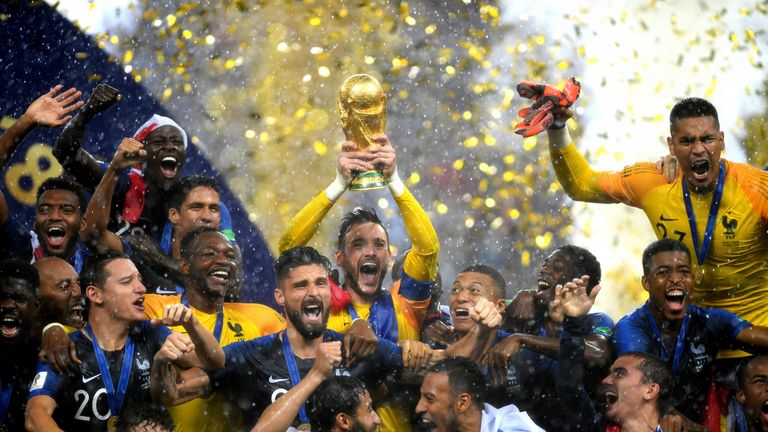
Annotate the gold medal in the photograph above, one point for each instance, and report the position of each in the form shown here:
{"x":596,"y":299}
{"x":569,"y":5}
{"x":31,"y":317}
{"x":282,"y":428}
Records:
{"x":112,"y":423}
{"x":699,"y":274}
{"x":305,"y":427}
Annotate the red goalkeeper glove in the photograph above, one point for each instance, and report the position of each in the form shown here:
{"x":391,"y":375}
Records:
{"x":538,"y":117}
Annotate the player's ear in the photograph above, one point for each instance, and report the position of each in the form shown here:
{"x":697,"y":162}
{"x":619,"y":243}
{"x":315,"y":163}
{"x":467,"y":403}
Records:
{"x":173,"y":215}
{"x":94,"y":294}
{"x":652,"y":392}
{"x":184,"y":266}
{"x":280,"y":296}
{"x":646,"y":285}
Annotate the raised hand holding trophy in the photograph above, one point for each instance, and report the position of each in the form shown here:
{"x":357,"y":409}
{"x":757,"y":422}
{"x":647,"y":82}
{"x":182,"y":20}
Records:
{"x":363,"y":109}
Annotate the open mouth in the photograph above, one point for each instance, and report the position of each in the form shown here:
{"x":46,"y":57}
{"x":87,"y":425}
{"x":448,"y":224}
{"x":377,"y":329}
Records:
{"x":10,"y":327}
{"x":764,"y":409}
{"x":313,"y":312}
{"x":700,"y":169}
{"x":675,"y":298}
{"x":543,"y":285}
{"x":139,"y":303}
{"x":169,"y":166}
{"x":427,"y":425}
{"x":369,"y":273}
{"x":76,"y":313}
{"x":461,"y":312}
{"x":56,"y":236}
{"x":220,"y":276}
{"x":610,"y":397}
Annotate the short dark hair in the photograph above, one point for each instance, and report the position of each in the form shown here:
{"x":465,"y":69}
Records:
{"x":583,"y":262}
{"x":741,"y":372}
{"x":498,"y":280}
{"x":190,"y":238}
{"x":18,"y":269}
{"x":659,"y":246}
{"x":358,"y":216}
{"x":137,"y":413}
{"x":336,"y":395}
{"x":179,"y":190}
{"x":64,"y":183}
{"x":465,"y":376}
{"x":692,"y":107}
{"x":93,"y":272}
{"x":654,"y":371}
{"x":296,"y":257}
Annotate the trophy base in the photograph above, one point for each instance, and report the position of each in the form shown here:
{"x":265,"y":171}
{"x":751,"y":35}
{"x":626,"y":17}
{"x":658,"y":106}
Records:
{"x":368,"y":180}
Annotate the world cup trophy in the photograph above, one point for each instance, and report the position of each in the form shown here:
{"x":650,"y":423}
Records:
{"x":363,"y":109}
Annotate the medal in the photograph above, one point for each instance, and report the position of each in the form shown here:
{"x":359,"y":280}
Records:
{"x":112,"y":423}
{"x":699,"y":275}
{"x":305,"y":427}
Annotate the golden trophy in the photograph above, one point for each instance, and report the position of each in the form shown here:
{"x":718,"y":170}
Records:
{"x":363,"y":109}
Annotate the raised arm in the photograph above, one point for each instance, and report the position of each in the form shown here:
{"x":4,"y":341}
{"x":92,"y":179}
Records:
{"x":597,"y":352}
{"x":68,"y":149}
{"x":49,"y":110}
{"x":582,"y":183}
{"x":304,"y":225}
{"x":280,"y":414}
{"x":96,"y":235}
{"x":421,"y":262}
{"x":573,"y":172}
{"x":476,"y":342}
{"x":575,"y":302}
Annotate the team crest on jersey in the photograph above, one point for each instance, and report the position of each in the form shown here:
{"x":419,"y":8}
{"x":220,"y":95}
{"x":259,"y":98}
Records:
{"x":730,"y":227}
{"x":39,"y":381}
{"x":237,"y":328}
{"x":698,"y":357}
{"x":142,"y":364}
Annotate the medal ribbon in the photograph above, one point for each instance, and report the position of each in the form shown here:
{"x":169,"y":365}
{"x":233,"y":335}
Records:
{"x":115,"y":399}
{"x":352,"y":311}
{"x":680,"y":339}
{"x":293,"y":371}
{"x":219,"y":318}
{"x":714,"y":207}
{"x":381,"y":317}
{"x":5,"y":400}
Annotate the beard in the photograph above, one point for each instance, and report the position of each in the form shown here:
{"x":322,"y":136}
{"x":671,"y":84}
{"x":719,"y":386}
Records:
{"x":358,"y":427}
{"x":308,"y":331}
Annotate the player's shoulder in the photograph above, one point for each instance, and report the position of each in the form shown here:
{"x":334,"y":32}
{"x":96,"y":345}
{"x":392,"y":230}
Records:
{"x":746,"y":174}
{"x":253,"y":311}
{"x":243,"y":350}
{"x":634,"y":319}
{"x":642,"y":168}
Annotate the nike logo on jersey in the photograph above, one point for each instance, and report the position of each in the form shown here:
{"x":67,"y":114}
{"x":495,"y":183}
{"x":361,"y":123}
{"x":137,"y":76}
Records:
{"x":663,"y":219}
{"x":276,"y":380}
{"x":89,"y":379}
